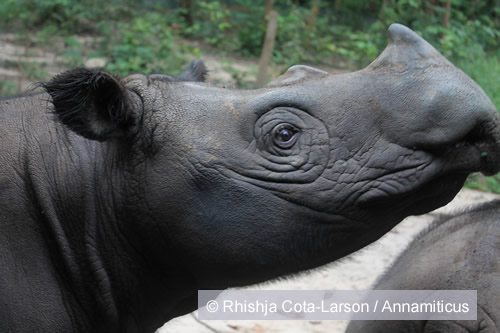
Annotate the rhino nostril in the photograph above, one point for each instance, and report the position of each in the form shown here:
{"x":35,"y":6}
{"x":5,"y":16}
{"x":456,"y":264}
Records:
{"x":461,"y":144}
{"x":478,"y":135}
{"x":476,"y":143}
{"x":478,"y":151}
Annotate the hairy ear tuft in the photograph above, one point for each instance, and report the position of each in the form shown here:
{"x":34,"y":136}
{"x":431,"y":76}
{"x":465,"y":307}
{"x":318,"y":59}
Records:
{"x":195,"y":72}
{"x":91,"y":103}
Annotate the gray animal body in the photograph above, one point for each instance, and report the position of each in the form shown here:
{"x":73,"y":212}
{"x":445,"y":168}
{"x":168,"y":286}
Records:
{"x":120,"y":198}
{"x":460,"y":252}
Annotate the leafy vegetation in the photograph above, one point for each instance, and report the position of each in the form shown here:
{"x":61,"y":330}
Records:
{"x":155,"y":35}
{"x":350,"y":32}
{"x":485,"y":71}
{"x":7,"y":87}
{"x":150,"y":45}
{"x":487,"y":184}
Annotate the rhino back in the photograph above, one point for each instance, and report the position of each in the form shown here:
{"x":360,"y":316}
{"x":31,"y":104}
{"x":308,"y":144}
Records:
{"x":463,"y":247}
{"x":460,"y":252}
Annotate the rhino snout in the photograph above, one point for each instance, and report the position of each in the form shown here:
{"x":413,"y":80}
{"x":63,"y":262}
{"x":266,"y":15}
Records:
{"x":478,"y":151}
{"x":462,"y":127}
{"x":433,"y":106}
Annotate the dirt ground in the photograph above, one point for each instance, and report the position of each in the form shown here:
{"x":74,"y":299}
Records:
{"x":355,"y":272}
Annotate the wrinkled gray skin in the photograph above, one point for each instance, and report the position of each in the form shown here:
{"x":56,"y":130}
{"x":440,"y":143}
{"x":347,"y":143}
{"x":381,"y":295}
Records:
{"x":460,"y":252}
{"x":121,"y":198}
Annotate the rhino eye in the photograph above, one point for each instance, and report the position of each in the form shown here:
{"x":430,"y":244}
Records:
{"x":285,"y":135}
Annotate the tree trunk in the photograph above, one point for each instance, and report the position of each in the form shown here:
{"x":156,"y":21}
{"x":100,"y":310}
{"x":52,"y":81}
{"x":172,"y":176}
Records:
{"x":381,"y":14}
{"x":446,"y":16}
{"x":268,"y":7}
{"x":314,"y":14}
{"x":188,"y":14}
{"x":267,"y":49}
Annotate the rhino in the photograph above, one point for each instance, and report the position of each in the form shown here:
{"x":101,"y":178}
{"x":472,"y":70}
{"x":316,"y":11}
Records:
{"x":121,"y":197}
{"x":456,"y":252}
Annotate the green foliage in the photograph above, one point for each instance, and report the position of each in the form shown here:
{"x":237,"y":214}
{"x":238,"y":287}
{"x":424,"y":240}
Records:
{"x":479,"y":182}
{"x":242,"y":79}
{"x":250,"y":34}
{"x":212,"y":24}
{"x":147,"y":44}
{"x":293,"y":37}
{"x":7,"y":88}
{"x":73,"y":52}
{"x":486,"y":72}
{"x":34,"y":71}
{"x":473,"y":27}
{"x":66,"y":15}
{"x":241,"y":28}
{"x":351,"y":34}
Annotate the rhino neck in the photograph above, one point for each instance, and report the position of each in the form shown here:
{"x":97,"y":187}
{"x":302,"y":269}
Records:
{"x":62,"y":181}
{"x":93,"y":223}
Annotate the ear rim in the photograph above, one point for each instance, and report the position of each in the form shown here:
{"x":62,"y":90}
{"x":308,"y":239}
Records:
{"x":90,"y":102}
{"x":195,"y":72}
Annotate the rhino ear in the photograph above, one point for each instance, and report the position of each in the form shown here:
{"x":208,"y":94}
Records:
{"x":195,"y":72}
{"x":91,"y":102}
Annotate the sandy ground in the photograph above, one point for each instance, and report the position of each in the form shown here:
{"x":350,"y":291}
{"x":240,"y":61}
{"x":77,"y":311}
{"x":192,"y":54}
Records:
{"x":355,"y":272}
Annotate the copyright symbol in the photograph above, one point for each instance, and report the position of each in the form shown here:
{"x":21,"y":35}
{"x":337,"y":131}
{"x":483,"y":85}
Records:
{"x":212,"y":306}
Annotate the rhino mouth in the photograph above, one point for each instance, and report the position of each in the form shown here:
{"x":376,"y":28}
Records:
{"x":479,"y":151}
{"x":442,"y":176}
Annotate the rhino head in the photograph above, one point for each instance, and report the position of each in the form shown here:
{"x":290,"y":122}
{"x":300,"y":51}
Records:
{"x":212,"y":187}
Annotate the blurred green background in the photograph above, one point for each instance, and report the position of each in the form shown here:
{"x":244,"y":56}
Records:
{"x":41,"y":38}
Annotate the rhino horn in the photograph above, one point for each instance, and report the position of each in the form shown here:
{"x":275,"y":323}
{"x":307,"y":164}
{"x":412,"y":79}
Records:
{"x":406,"y":50}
